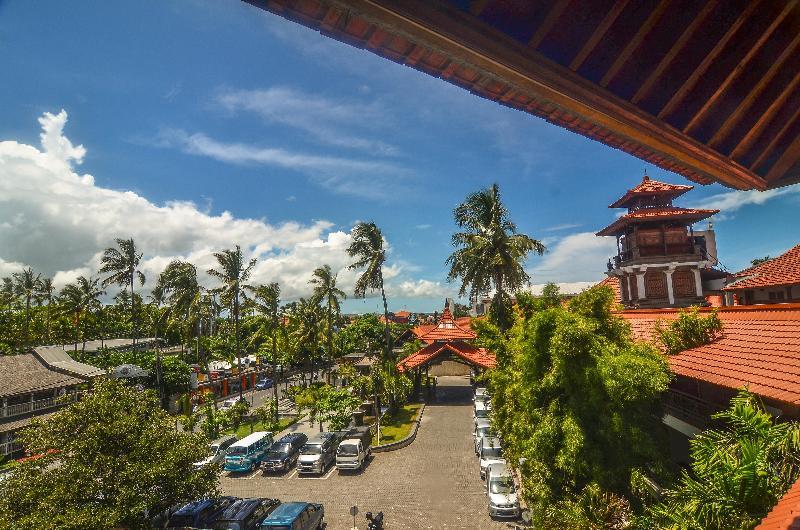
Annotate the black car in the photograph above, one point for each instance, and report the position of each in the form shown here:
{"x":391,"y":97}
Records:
{"x":200,"y":514}
{"x":245,"y":514}
{"x":284,"y":453}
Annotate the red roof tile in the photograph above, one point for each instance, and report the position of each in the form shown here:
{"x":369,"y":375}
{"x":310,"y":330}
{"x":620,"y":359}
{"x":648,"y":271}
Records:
{"x":759,"y":348}
{"x":447,"y":329}
{"x":472,"y":354}
{"x":651,"y":187}
{"x":613,"y":282}
{"x":656,"y":214}
{"x":783,"y":270}
{"x":786,"y":514}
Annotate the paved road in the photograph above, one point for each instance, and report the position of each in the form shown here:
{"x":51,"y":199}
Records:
{"x":433,"y":483}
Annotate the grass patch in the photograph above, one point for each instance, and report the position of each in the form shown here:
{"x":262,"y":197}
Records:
{"x":245,"y":429}
{"x":396,"y":427}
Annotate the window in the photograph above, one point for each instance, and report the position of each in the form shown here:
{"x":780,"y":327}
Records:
{"x":776,"y":296}
{"x":655,"y":285}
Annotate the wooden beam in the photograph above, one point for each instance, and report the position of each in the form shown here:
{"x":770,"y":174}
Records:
{"x":676,"y":48}
{"x":733,"y":74}
{"x":775,"y":139}
{"x":549,"y":21}
{"x":744,"y":105}
{"x":766,"y":117}
{"x":634,"y":43}
{"x":709,"y":59}
{"x":477,"y":7}
{"x":598,"y":34}
{"x":786,"y":161}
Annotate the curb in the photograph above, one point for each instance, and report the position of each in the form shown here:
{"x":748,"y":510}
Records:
{"x":399,"y":444}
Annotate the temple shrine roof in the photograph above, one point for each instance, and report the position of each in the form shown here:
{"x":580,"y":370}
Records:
{"x":783,"y":270}
{"x":671,"y":213}
{"x":446,"y":329}
{"x":651,"y":187}
{"x":471,"y":354}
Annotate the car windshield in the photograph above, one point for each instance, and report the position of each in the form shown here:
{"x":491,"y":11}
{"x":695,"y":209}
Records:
{"x":237,"y":450}
{"x":502,"y":485}
{"x":481,"y":413}
{"x":180,"y":521}
{"x":489,"y":452}
{"x":276,"y":454}
{"x":311,"y":449}
{"x":483,"y":431}
{"x":347,"y":450}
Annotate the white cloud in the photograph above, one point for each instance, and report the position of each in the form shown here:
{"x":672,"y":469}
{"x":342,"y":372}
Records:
{"x":731,"y":201}
{"x":565,"y":226}
{"x":58,"y":222}
{"x":362,"y":178}
{"x":564,"y":287}
{"x":579,"y":257}
{"x":327,"y":121}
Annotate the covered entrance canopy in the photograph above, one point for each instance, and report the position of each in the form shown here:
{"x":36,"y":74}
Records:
{"x":709,"y":90}
{"x":472,"y":355}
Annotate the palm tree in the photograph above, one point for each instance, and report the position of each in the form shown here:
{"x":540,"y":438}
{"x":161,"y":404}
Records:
{"x":80,"y":298}
{"x":122,"y":264}
{"x":324,"y":281}
{"x":367,"y":248}
{"x":266,"y":301}
{"x":45,"y":293}
{"x":26,"y":285}
{"x":307,"y":317}
{"x":233,"y":273}
{"x":182,"y":293}
{"x":490,"y":253}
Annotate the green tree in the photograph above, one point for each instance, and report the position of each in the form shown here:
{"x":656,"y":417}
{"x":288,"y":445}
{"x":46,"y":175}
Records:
{"x":578,"y":399}
{"x":489,"y":252}
{"x":759,"y":261}
{"x":689,"y":330}
{"x":80,"y":299}
{"x":306,"y":319}
{"x":233,"y":274}
{"x":738,"y":472}
{"x":267,"y":299}
{"x":106,"y":461}
{"x":267,"y":414}
{"x":326,"y":292}
{"x":122,"y":266}
{"x":336,"y":407}
{"x":26,"y":286}
{"x":367,"y":248}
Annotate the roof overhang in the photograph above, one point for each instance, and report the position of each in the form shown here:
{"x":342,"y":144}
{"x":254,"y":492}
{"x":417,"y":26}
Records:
{"x":673,"y":214}
{"x":709,"y":91}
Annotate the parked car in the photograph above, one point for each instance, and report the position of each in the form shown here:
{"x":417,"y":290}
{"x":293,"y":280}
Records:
{"x":228,"y":403}
{"x":295,"y":516}
{"x":483,"y":428}
{"x":217,"y":451}
{"x":263,"y":384}
{"x":501,"y":492}
{"x":355,"y":449}
{"x":317,"y":454}
{"x":247,"y":453}
{"x":284,"y":453}
{"x":482,"y":412}
{"x":246,"y":514}
{"x":200,"y":514}
{"x":491,"y":453}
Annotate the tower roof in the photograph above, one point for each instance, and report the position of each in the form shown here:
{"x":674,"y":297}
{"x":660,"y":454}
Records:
{"x":670,"y":213}
{"x":649,"y":187}
{"x":447,"y":330}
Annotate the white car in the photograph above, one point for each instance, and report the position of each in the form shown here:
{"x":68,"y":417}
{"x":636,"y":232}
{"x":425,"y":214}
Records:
{"x":501,"y":492}
{"x":491,"y":453}
{"x":482,"y":412}
{"x":228,"y":403}
{"x":482,"y":428}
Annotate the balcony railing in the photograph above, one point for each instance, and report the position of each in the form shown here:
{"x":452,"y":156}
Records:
{"x":10,"y":448}
{"x":655,"y":251}
{"x":688,"y":408}
{"x":19,"y":409}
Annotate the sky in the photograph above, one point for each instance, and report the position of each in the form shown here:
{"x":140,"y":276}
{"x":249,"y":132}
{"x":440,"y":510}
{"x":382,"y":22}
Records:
{"x":193,"y":126}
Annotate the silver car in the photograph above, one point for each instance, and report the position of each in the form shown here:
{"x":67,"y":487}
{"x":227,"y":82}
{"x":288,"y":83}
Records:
{"x":217,"y":451}
{"x":501,"y":492}
{"x":491,"y":453}
{"x":482,"y":428}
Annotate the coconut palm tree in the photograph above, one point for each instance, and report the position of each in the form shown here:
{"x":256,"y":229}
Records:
{"x":26,"y":285}
{"x":45,"y":293}
{"x":325,"y":290}
{"x":183,"y":295}
{"x":233,"y":274}
{"x":367,"y":248}
{"x":122,"y":266}
{"x":490,"y":253}
{"x":80,"y":299}
{"x":266,"y":301}
{"x":306,"y":318}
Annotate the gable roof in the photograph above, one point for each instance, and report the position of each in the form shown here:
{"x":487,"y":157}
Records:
{"x":783,"y":270}
{"x":447,"y":329}
{"x":470,"y":353}
{"x":57,"y":358}
{"x":24,"y":373}
{"x":759,"y":348}
{"x":651,"y":187}
{"x":786,"y":514}
{"x":671,"y":213}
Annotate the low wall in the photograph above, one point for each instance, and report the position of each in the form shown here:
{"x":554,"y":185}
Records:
{"x":399,"y":444}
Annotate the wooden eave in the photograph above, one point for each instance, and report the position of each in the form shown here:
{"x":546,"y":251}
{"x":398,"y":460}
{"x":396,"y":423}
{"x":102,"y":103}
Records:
{"x":704,"y":89}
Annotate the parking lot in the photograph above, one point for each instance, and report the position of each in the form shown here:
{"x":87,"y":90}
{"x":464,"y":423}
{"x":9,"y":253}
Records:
{"x":432,"y":483}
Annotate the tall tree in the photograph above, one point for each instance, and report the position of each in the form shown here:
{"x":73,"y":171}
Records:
{"x":306,"y":319}
{"x":367,"y":248}
{"x":267,"y":299}
{"x":122,"y":266}
{"x":45,"y":293}
{"x":80,"y":299}
{"x":183,"y":295}
{"x":233,"y":273}
{"x":26,"y":286}
{"x":325,"y":291}
{"x":490,"y":253}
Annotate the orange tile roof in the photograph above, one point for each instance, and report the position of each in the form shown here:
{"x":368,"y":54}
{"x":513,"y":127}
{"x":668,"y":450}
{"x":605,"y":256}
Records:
{"x":786,"y":514}
{"x":613,"y":282}
{"x":668,"y":213}
{"x":472,"y":354}
{"x":447,"y":329}
{"x":421,"y":330}
{"x":759,"y":348}
{"x":783,"y":270}
{"x":650,"y":187}
{"x":402,"y":314}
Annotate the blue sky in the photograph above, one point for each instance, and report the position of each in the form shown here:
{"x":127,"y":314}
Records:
{"x":201,"y":108}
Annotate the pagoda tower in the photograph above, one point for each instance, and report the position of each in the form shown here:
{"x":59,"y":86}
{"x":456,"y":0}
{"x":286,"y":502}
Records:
{"x":661,"y":260}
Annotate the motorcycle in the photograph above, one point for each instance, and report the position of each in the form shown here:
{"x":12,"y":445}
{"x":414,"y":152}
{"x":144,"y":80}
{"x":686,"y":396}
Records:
{"x":374,"y":522}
